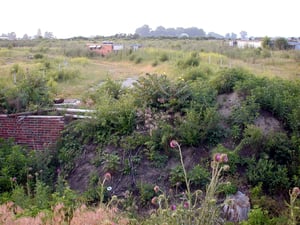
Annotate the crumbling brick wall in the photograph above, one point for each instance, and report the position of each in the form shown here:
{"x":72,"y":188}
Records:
{"x":35,"y":132}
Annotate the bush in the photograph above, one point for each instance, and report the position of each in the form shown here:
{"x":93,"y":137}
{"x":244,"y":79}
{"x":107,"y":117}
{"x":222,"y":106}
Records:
{"x":31,"y":93}
{"x":164,"y":57}
{"x":226,"y":79}
{"x":245,"y":113}
{"x":258,"y":216}
{"x":200,"y":127}
{"x":157,"y":91}
{"x":38,"y":56}
{"x":64,"y":75}
{"x":199,"y":176}
{"x":274,"y":177}
{"x":195,"y":73}
{"x":192,"y":61}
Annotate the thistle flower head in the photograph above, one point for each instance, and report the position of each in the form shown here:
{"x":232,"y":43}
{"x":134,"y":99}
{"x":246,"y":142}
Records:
{"x":156,"y":188}
{"x":173,"y":144}
{"x":296,"y":191}
{"x":154,"y":200}
{"x":224,"y":158}
{"x":107,"y":176}
{"x":186,"y":205}
{"x":217,"y":157}
{"x":173,"y":207}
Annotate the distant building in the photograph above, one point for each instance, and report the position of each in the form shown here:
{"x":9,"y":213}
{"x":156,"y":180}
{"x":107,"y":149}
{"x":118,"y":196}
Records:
{"x":294,"y":45}
{"x":105,"y":48}
{"x":135,"y":47}
{"x":246,"y":43}
{"x":4,"y":38}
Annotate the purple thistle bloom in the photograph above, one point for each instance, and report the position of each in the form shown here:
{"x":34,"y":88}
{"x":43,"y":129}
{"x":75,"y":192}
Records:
{"x":173,"y":207}
{"x":186,"y":205}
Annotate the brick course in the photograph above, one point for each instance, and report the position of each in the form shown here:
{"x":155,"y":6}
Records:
{"x":35,"y":132}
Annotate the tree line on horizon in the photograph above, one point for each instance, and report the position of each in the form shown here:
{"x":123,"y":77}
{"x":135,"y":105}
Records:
{"x":160,"y":31}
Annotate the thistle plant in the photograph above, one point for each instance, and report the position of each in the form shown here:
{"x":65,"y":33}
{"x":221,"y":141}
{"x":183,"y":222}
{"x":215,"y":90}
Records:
{"x":209,"y":211}
{"x":194,"y":209}
{"x":175,"y":144}
{"x":294,"y":193}
{"x":107,"y":177}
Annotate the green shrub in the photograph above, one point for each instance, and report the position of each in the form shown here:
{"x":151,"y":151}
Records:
{"x":138,"y":60}
{"x":155,"y":63}
{"x":252,"y":142}
{"x":278,"y":148}
{"x":194,"y":73}
{"x":274,"y":177}
{"x":257,"y":216}
{"x":114,"y":117}
{"x":228,"y":188}
{"x":63,"y":75}
{"x":199,"y":176}
{"x":192,"y":61}
{"x":226,"y":79}
{"x":110,"y":87}
{"x":157,"y":91}
{"x":245,"y":113}
{"x":38,"y":56}
{"x":176,"y":177}
{"x":200,"y":127}
{"x":163,"y":57}
{"x":146,"y":193}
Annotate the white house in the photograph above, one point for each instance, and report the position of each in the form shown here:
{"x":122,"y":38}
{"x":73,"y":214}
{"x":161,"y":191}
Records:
{"x":246,"y":43}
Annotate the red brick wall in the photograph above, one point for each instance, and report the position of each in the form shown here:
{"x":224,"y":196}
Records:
{"x":36,"y":132}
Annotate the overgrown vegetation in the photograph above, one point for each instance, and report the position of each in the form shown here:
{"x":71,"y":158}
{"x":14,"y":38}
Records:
{"x":129,"y":135}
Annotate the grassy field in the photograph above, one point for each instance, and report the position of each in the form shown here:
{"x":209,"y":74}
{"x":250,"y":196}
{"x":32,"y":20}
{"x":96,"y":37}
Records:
{"x":155,"y":56}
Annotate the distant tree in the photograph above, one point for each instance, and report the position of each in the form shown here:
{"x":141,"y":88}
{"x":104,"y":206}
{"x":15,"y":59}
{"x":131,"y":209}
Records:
{"x":39,"y":34}
{"x":243,"y":35}
{"x":25,"y":37}
{"x":281,"y":44}
{"x":194,"y":32}
{"x":48,"y":35}
{"x":159,"y":32}
{"x":215,"y":35}
{"x":228,"y":36}
{"x":12,"y":36}
{"x":266,"y":42}
{"x":233,"y":36}
{"x":171,"y":32}
{"x":143,"y":31}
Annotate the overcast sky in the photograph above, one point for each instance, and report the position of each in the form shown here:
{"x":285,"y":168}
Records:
{"x":69,"y":18}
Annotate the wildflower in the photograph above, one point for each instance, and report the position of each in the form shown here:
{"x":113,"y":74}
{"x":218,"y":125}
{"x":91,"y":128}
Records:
{"x":217,"y":157}
{"x":173,"y":207}
{"x":109,"y":188}
{"x":156,"y":188}
{"x":30,"y":176}
{"x":14,"y":179}
{"x":224,"y":158}
{"x":296,"y":191}
{"x":107,"y":176}
{"x":186,"y":205}
{"x":173,"y":144}
{"x":154,"y":200}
